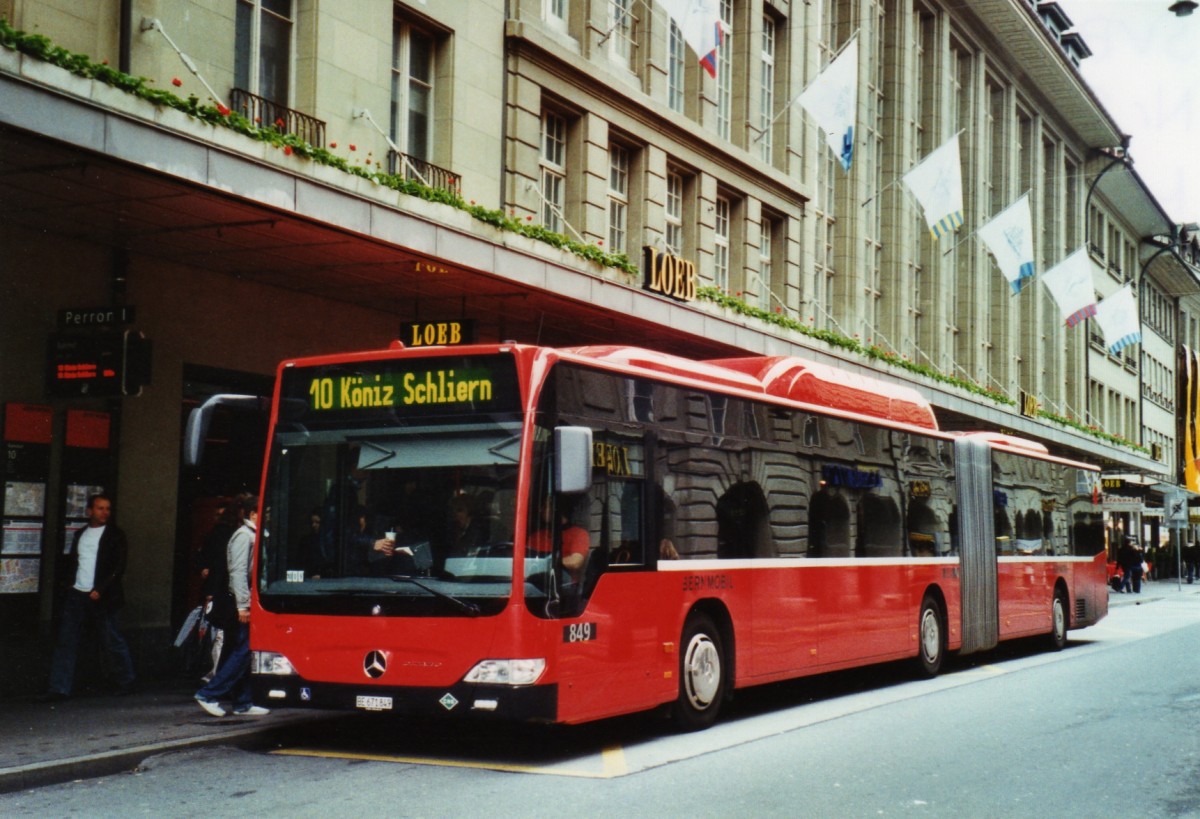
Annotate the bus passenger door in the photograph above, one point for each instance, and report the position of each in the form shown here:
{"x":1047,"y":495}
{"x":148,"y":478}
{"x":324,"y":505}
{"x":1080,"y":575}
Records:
{"x":610,"y":646}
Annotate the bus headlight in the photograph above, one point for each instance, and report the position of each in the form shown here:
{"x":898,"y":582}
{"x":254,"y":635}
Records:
{"x":507,"y":672}
{"x":270,"y":662}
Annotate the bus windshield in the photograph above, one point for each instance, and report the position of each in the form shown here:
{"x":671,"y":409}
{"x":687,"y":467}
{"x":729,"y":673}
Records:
{"x":398,"y":499}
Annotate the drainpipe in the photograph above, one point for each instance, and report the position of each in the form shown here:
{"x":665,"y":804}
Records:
{"x":125,"y":46}
{"x":504,"y":105}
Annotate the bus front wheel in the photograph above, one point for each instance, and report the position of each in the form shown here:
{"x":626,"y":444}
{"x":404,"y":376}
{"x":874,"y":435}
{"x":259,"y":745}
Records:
{"x":701,"y":674}
{"x":931,"y":637}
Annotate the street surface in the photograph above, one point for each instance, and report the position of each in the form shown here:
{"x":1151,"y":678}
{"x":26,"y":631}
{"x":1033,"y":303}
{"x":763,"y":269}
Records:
{"x":1110,"y":727}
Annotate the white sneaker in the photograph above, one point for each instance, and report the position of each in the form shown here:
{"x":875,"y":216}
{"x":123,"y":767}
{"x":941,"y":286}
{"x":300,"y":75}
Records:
{"x":253,"y":711}
{"x":213,"y":708}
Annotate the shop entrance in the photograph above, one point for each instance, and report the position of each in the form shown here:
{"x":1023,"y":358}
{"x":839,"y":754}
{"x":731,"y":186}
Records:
{"x":232,"y":463}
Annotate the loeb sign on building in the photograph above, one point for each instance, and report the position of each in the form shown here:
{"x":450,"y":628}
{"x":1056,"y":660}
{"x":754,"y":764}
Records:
{"x":669,"y":275}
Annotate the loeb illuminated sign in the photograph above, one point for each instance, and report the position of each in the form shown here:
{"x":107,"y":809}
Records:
{"x":669,"y":275}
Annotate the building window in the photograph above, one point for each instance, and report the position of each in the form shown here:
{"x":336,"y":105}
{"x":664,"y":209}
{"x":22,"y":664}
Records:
{"x":618,"y":198}
{"x":823,"y":250}
{"x":263,"y":48}
{"x":622,"y":32}
{"x":555,"y":12}
{"x":412,"y":89}
{"x":553,"y":170}
{"x":674,"y":213}
{"x":766,"y":267}
{"x":721,"y":245}
{"x":766,"y":87}
{"x":676,"y":61}
{"x":872,"y":155}
{"x":725,"y":75}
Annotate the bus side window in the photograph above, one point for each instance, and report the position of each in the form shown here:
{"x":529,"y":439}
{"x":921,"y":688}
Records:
{"x":743,"y":524}
{"x":628,"y":550}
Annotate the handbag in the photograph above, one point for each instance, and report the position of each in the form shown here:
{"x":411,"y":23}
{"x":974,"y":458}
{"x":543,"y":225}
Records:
{"x":224,"y":612}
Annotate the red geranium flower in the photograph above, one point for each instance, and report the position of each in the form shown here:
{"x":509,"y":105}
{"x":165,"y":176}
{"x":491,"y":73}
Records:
{"x":223,"y":110}
{"x":287,"y":149}
{"x":332,"y":144}
{"x":279,"y":123}
{"x":175,"y":81}
{"x":353,"y":147}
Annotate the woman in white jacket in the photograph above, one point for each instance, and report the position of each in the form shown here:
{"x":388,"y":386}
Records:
{"x":232,"y":679}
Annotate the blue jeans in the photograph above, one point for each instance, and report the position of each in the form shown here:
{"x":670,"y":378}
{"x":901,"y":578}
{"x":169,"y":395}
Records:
{"x":77,"y":609}
{"x":233,"y":676}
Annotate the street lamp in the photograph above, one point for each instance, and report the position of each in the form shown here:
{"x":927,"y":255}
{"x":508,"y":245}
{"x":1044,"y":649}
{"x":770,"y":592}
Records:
{"x":1182,"y":8}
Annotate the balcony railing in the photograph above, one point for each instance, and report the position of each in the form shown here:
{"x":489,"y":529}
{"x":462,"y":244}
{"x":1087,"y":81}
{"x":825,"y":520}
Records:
{"x":425,"y":172}
{"x":264,"y":113}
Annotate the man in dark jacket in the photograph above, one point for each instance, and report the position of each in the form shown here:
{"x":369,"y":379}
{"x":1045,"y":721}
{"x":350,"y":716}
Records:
{"x":93,"y":570}
{"x":1130,"y":558}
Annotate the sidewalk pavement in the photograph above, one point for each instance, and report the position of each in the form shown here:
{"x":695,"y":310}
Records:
{"x":90,"y":736}
{"x":1153,"y":590}
{"x":97,"y":735}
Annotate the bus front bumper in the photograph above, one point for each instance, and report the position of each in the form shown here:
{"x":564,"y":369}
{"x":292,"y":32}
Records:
{"x":534,"y":703}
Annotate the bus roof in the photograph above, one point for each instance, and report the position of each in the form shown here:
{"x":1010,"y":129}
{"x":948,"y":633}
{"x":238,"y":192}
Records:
{"x":790,"y":377}
{"x":811,"y":382}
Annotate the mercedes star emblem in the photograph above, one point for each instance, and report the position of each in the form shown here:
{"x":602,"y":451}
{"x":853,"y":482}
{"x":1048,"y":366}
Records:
{"x":375,"y":664}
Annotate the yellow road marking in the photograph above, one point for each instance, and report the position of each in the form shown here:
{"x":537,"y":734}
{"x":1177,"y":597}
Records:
{"x":613,"y":762}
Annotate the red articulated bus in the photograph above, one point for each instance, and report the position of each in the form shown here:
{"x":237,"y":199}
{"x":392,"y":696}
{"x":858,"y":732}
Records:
{"x":563,"y":535}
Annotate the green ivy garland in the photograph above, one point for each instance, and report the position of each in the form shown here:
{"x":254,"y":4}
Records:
{"x":873,"y":351}
{"x":40,"y":47}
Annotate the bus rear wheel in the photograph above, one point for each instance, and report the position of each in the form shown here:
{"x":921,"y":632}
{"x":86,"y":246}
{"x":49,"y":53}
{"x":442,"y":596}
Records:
{"x":1058,"y":621}
{"x":931,"y":637}
{"x":701,"y":674}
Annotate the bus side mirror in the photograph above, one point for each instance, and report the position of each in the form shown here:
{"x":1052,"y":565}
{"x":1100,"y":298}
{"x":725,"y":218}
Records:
{"x":572,"y":459}
{"x":199,"y":418}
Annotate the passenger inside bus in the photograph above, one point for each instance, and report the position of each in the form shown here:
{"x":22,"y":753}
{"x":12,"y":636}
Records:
{"x":574,"y":539}
{"x":467,"y":532}
{"x":402,"y":550}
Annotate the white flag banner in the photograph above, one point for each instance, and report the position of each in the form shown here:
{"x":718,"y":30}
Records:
{"x":937,"y":184}
{"x":1073,"y":287}
{"x":1009,"y":237}
{"x":1117,"y":316}
{"x":832,"y":101}
{"x":700,"y":23}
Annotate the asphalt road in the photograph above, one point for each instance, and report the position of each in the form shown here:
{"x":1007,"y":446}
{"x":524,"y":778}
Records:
{"x":1106,"y":728}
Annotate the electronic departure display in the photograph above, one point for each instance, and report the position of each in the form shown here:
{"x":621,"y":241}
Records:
{"x":428,"y":386}
{"x":84,"y":365}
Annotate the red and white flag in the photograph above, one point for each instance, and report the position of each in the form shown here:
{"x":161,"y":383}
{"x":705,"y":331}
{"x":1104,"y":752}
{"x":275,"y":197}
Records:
{"x":700,"y":23}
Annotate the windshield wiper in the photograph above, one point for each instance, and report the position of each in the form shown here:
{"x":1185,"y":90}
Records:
{"x":468,"y":607}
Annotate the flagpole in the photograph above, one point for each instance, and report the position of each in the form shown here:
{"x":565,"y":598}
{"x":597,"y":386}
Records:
{"x":913,"y":168}
{"x":792,"y":102}
{"x":879,"y":192}
{"x":988,"y":222}
{"x":628,"y":12}
{"x":954,"y":247}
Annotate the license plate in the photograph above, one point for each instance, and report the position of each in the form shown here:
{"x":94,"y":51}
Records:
{"x":373,"y":703}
